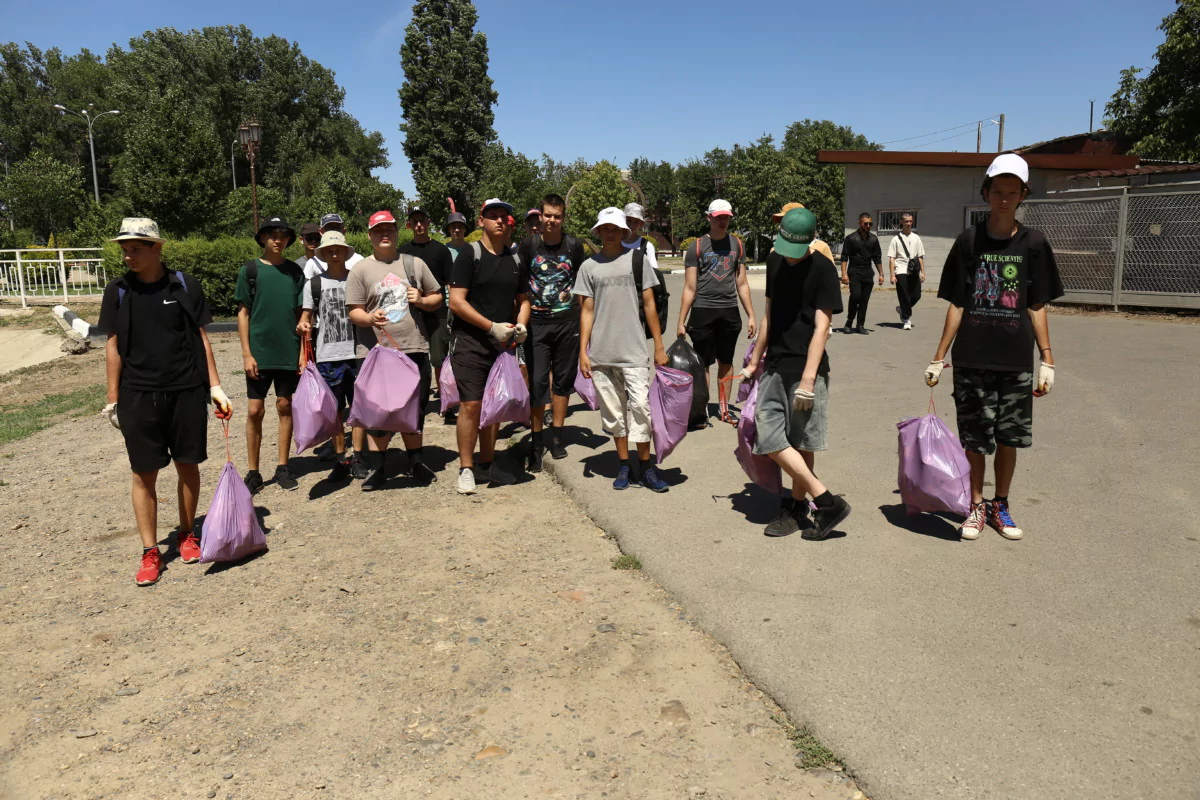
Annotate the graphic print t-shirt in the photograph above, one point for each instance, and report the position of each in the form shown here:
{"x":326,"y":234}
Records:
{"x":717,"y":268}
{"x":334,"y":337}
{"x":383,"y":285}
{"x":552,"y":270}
{"x":995,"y":281}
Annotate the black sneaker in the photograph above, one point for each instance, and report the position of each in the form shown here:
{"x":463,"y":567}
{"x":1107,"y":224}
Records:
{"x":860,"y":329}
{"x":254,"y":481}
{"x":340,"y":471}
{"x":358,"y":467}
{"x":325,"y":452}
{"x":285,"y":479}
{"x":422,"y":474}
{"x":535,"y":460}
{"x":375,"y":480}
{"x":801,"y":511}
{"x":450,"y":417}
{"x":498,"y":477}
{"x":558,"y":449}
{"x":826,"y":519}
{"x":784,"y":524}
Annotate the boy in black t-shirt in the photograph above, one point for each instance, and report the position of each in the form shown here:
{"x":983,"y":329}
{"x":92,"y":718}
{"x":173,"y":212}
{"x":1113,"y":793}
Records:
{"x":998,"y":277}
{"x":803,"y":294}
{"x":161,"y":377}
{"x":488,"y":295}
{"x":440,"y":260}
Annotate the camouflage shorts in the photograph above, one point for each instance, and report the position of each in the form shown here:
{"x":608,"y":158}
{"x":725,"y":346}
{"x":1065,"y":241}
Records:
{"x":993,"y":406}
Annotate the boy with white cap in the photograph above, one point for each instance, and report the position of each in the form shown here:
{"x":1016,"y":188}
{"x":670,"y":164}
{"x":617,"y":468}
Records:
{"x":619,"y":362}
{"x":998,"y":278}
{"x":161,"y":377}
{"x":714,"y":281}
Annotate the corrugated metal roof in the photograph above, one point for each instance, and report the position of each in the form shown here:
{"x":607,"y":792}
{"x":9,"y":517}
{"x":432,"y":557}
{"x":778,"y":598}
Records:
{"x":1154,"y":169}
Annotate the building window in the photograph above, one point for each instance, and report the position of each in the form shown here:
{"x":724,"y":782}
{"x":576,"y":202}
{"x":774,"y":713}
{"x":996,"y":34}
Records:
{"x":973,"y":215}
{"x":887,"y":220}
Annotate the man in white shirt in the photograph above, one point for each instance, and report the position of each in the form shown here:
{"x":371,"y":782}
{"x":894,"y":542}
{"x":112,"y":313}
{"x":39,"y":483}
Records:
{"x":906,"y":263}
{"x":315,"y":266}
{"x":635,"y":217}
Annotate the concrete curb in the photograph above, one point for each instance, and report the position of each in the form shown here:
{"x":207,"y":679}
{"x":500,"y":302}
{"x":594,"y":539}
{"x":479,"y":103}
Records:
{"x":72,"y":321}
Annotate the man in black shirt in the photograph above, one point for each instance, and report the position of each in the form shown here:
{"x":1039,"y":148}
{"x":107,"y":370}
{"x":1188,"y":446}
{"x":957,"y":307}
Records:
{"x":161,"y":377}
{"x":490,"y":301}
{"x":860,"y":251}
{"x":440,"y":260}
{"x":551,"y":260}
{"x":793,"y":392}
{"x":998,"y":278}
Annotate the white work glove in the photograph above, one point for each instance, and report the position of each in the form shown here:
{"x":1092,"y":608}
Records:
{"x":110,"y":413}
{"x":802,"y":400}
{"x":747,"y":374}
{"x":933,"y":372}
{"x":521,"y":333}
{"x":502,"y":331}
{"x":1045,"y":381}
{"x":223,"y":408}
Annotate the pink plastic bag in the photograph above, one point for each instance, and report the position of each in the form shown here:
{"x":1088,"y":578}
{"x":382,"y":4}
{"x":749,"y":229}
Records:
{"x":230,"y":531}
{"x":505,"y":395}
{"x":759,"y":469}
{"x":586,"y":390}
{"x":386,"y":393}
{"x":934,"y":473}
{"x":744,"y":388}
{"x":447,"y":386}
{"x":670,"y":404}
{"x":314,"y":410}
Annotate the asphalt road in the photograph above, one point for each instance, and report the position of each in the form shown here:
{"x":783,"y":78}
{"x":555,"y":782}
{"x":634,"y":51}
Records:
{"x":1063,"y":665}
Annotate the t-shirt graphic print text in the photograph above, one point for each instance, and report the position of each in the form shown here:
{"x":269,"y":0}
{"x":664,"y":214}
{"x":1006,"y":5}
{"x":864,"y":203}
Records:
{"x":550,"y":280}
{"x":392,"y":292}
{"x":997,"y":295}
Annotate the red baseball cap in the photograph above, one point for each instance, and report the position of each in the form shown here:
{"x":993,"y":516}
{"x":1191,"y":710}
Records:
{"x":380,"y":217}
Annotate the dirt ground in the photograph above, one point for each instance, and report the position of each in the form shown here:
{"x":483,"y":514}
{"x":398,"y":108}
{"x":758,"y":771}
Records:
{"x":406,"y":643}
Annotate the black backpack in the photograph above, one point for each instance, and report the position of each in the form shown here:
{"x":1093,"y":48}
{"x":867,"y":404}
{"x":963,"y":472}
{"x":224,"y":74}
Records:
{"x":661,"y":295}
{"x":252,"y":275}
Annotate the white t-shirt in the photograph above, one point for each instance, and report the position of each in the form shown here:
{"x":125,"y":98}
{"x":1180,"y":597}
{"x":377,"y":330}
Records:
{"x":315,"y":266}
{"x":916,"y":249}
{"x":651,"y":253}
{"x":334,"y":331}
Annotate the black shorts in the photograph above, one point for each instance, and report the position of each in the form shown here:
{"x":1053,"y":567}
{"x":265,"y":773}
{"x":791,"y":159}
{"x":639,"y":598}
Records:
{"x":552,"y":348}
{"x":285,"y":381}
{"x":714,"y":333}
{"x":439,"y":340}
{"x":339,"y":377}
{"x":472,"y":358}
{"x":993,"y":407}
{"x":160,"y":426}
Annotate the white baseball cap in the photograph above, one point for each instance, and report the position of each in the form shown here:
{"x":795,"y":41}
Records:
{"x":1009,"y":164}
{"x":720,"y":208}
{"x":611,"y":216}
{"x":635,"y":211}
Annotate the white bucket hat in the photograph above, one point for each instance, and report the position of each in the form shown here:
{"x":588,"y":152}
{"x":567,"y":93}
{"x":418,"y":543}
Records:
{"x":611,"y":216}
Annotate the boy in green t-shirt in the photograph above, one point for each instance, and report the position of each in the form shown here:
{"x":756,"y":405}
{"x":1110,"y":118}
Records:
{"x":268,"y":295}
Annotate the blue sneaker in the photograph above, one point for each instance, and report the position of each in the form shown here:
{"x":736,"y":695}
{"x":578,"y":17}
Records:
{"x":622,"y":480}
{"x":652,"y":481}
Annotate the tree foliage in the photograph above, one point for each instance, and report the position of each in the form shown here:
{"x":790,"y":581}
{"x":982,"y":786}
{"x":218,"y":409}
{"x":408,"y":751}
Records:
{"x":821,"y":187}
{"x":598,"y":188}
{"x":43,"y":193}
{"x":447,"y":100}
{"x":657,"y":181}
{"x":1161,"y":111}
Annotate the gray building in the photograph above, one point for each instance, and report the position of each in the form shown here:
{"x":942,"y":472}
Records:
{"x":941,"y":190}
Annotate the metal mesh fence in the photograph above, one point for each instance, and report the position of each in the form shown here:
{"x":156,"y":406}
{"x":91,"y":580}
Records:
{"x":1083,"y":234}
{"x":1162,"y":244}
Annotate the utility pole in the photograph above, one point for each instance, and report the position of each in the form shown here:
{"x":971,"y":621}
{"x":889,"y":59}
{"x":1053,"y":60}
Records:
{"x":1000,"y":138}
{"x":232,"y":170}
{"x":1091,"y":114}
{"x":979,"y":136}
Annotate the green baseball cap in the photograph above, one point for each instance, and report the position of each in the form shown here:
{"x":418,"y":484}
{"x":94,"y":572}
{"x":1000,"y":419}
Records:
{"x":797,"y":229}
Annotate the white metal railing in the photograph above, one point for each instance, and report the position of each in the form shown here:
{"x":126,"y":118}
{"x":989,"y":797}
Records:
{"x":44,"y":273}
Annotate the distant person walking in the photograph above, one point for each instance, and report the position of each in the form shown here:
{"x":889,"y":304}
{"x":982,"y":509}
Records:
{"x":862,"y":257}
{"x":906,"y":265}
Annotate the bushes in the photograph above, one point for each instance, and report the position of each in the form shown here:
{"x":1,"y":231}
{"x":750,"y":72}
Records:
{"x":687,"y":244}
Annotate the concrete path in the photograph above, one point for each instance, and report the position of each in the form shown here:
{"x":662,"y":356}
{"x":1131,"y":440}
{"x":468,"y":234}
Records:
{"x":1063,"y":665}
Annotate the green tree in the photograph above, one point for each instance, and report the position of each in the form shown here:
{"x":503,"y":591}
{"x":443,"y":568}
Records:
{"x":447,"y":100}
{"x":511,"y":176}
{"x":756,"y":186}
{"x":43,"y":193}
{"x":600,"y":187}
{"x":1161,"y":111}
{"x":235,"y":215}
{"x":695,"y":187}
{"x":820,"y":187}
{"x":657,"y":181}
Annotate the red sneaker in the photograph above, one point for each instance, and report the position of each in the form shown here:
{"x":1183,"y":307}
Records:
{"x":189,"y":547}
{"x":151,"y":568}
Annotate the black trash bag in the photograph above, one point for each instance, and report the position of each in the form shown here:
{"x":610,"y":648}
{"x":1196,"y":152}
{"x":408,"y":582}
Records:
{"x":682,"y":357}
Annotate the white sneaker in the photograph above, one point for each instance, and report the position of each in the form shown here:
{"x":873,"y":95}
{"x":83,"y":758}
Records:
{"x":975,"y":522}
{"x":466,"y":481}
{"x":908,"y":324}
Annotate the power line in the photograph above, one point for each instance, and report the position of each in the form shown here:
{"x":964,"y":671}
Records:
{"x":935,"y":133}
{"x":948,"y":138}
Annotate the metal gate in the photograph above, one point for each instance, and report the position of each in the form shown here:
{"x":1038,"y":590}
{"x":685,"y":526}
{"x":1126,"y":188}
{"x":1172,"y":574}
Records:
{"x":46,"y":274}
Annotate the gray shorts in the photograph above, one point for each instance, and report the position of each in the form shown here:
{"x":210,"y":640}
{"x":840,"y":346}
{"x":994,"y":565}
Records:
{"x":780,"y":426}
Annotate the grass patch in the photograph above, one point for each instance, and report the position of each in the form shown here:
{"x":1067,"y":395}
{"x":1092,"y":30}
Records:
{"x":17,"y":423}
{"x":810,"y":753}
{"x":626,"y":562}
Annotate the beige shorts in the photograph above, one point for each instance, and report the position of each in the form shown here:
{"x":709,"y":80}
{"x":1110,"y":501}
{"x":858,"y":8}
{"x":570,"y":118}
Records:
{"x":624,"y":394}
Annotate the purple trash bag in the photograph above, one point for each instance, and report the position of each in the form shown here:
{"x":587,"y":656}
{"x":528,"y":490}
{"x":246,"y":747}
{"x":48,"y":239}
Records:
{"x":385,"y":393}
{"x":744,"y":388}
{"x":934,"y":473}
{"x":230,"y":531}
{"x":505,"y":395}
{"x":670,"y":404}
{"x":586,"y":390}
{"x":314,"y":410}
{"x":759,"y":469}
{"x":448,"y":387}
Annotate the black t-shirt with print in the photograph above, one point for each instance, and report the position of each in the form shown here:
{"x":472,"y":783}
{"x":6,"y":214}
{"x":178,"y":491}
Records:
{"x":551,"y":270}
{"x":492,"y":285}
{"x":796,"y":291}
{"x":437,"y":256}
{"x":995,"y":281}
{"x":161,"y":353}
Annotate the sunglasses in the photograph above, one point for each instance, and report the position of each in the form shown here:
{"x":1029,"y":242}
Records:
{"x":313,"y":239}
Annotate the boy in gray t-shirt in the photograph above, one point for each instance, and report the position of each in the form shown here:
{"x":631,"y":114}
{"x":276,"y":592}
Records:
{"x":612,"y":345}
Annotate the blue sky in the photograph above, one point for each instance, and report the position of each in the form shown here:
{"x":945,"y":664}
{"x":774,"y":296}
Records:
{"x":669,"y":80}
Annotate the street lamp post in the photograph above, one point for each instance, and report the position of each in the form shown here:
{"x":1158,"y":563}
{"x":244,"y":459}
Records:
{"x":232,"y":168}
{"x":250,"y":134}
{"x":90,"y":116}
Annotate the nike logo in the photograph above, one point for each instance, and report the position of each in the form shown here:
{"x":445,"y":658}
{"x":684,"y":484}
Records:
{"x":169,"y":302}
